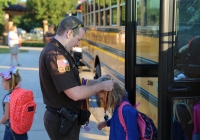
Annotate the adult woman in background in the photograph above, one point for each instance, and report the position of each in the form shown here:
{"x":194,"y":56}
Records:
{"x":13,"y":41}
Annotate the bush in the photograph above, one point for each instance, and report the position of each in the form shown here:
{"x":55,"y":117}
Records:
{"x":33,"y":44}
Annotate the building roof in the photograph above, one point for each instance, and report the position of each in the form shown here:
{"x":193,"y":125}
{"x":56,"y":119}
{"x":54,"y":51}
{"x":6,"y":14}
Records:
{"x":17,"y":7}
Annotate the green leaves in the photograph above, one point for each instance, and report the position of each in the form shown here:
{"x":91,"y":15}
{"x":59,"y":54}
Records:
{"x":51,"y":10}
{"x":4,"y":3}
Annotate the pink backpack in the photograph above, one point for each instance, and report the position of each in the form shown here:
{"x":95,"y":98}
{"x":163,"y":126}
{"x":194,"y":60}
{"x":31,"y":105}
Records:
{"x":196,"y":116}
{"x":22,"y":110}
{"x":146,"y":126}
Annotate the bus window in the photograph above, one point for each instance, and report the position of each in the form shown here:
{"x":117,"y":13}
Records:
{"x":187,"y":47}
{"x":88,"y":20}
{"x":114,"y":16}
{"x":122,"y":19}
{"x":92,"y":6}
{"x":86,"y":8}
{"x":107,"y":17}
{"x":122,"y":1}
{"x":101,"y":18}
{"x":107,"y":3}
{"x":147,"y":41}
{"x":83,"y":9}
{"x":101,"y":3}
{"x":88,"y":5}
{"x":97,"y":19}
{"x":84,"y":20}
{"x":113,"y":2}
{"x":92,"y":18}
{"x":96,"y":5}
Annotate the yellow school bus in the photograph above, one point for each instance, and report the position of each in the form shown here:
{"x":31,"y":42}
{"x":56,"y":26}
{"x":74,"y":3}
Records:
{"x":103,"y":47}
{"x":150,"y":47}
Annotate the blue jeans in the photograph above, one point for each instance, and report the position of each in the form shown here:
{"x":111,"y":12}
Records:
{"x":8,"y":135}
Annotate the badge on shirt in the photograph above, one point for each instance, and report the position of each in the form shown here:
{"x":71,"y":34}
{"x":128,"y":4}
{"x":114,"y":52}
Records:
{"x":63,"y":65}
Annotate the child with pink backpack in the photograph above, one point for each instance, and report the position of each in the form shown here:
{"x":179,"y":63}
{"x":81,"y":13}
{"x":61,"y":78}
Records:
{"x":113,"y":99}
{"x":125,"y":123}
{"x":10,"y":82}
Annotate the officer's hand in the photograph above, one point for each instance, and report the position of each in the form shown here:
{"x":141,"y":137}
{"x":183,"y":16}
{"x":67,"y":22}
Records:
{"x":108,"y":85}
{"x":106,"y":76}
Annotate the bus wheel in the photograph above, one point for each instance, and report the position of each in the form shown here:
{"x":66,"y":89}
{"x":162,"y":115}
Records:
{"x":97,"y":72}
{"x":97,"y":75}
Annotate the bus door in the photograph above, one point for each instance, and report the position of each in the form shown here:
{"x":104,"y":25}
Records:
{"x":179,"y":70}
{"x":142,"y":55}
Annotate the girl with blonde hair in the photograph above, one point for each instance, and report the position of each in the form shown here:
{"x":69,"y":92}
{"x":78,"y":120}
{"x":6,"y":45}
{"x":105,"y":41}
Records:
{"x":10,"y":81}
{"x":113,"y":99}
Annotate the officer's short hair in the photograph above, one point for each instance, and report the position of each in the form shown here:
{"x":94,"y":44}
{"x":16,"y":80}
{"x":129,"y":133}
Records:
{"x":69,"y":23}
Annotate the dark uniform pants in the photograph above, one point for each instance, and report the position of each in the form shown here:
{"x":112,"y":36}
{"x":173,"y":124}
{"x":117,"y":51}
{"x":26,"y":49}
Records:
{"x":52,"y":124}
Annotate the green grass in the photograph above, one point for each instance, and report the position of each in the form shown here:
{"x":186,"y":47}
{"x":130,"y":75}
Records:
{"x":6,"y":50}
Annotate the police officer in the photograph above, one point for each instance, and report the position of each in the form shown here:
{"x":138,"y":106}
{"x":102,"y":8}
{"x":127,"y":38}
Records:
{"x":60,"y":82}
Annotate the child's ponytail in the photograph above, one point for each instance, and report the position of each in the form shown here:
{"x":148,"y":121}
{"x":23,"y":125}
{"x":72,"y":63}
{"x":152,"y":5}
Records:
{"x":12,"y":81}
{"x":15,"y":79}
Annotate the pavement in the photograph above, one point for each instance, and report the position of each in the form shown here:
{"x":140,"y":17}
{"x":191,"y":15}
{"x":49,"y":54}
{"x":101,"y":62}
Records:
{"x":30,"y":80}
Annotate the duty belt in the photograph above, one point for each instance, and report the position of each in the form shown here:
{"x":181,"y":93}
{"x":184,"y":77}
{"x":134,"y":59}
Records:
{"x":56,"y":111}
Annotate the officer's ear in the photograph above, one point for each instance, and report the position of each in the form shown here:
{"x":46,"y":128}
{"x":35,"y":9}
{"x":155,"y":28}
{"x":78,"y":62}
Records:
{"x":69,"y":33}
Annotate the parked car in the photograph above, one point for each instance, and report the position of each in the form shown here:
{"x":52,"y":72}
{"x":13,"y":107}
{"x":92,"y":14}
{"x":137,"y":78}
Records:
{"x":21,"y":32}
{"x":32,"y":31}
{"x":37,"y":30}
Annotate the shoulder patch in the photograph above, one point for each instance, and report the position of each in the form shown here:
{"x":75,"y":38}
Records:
{"x":63,"y":65}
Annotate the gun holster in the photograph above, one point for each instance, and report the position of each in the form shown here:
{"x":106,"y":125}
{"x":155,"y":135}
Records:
{"x":68,"y":119}
{"x":83,"y":117}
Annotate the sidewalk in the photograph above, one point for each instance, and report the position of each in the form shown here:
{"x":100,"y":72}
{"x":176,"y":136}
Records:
{"x":30,"y":80}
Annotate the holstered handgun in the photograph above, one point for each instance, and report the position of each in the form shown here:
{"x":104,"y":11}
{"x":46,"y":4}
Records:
{"x":68,"y":119}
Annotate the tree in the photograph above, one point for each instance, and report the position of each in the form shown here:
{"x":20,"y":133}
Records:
{"x":51,"y":10}
{"x":4,"y":3}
